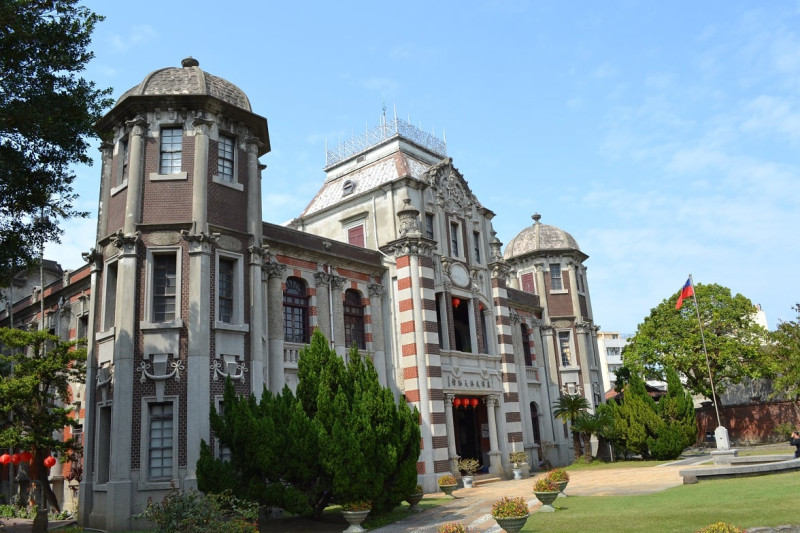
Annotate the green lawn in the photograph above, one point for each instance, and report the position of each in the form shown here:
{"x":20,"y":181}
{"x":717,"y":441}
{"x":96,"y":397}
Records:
{"x":745,"y":502}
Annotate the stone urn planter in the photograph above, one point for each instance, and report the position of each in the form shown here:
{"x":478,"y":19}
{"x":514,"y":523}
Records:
{"x":354,"y":518}
{"x":510,"y":513}
{"x":561,"y":478}
{"x":561,"y":486}
{"x":447,"y":484}
{"x":414,"y":499}
{"x":448,"y":489}
{"x":512,"y":524}
{"x":546,"y":491}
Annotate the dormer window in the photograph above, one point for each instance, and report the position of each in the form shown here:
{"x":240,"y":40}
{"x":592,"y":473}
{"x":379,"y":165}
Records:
{"x":348,"y":187}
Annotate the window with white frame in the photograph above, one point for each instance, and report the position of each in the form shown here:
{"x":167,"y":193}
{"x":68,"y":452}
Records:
{"x":354,"y":319}
{"x":579,"y":279}
{"x":455,"y":239}
{"x":556,"y":283}
{"x":122,"y":168}
{"x":226,"y":157}
{"x":429,"y":232}
{"x":164,"y":287}
{"x":160,"y":446}
{"x":110,"y":295}
{"x":564,"y":347}
{"x":171,"y":150}
{"x":230,"y":288}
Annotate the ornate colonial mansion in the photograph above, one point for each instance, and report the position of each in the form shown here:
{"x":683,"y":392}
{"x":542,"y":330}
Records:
{"x":187,"y":286}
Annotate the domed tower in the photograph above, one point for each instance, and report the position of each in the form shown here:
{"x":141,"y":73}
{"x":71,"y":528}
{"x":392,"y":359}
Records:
{"x":179,"y":239}
{"x":548,"y":262}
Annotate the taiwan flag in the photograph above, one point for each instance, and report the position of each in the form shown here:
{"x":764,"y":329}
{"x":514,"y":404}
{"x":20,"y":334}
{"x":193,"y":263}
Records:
{"x":686,"y":291}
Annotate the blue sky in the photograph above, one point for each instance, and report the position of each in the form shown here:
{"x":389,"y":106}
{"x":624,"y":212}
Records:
{"x":662,"y":135}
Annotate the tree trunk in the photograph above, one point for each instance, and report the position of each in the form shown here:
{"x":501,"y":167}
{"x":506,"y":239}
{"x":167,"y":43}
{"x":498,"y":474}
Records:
{"x":576,"y":444}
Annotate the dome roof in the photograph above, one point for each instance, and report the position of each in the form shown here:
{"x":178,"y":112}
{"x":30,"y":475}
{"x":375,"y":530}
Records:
{"x":189,"y":80}
{"x":539,"y":238}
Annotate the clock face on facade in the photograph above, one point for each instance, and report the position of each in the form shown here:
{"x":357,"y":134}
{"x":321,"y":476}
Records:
{"x":459,"y":275}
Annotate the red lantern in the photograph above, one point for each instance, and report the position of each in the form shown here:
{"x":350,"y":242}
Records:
{"x":15,"y":458}
{"x":456,"y":302}
{"x":26,"y":457}
{"x":456,"y":402}
{"x":474,"y":403}
{"x":5,"y":459}
{"x":49,"y":461}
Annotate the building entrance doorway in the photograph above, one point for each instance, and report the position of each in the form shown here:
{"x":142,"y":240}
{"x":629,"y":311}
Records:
{"x":471,"y":430}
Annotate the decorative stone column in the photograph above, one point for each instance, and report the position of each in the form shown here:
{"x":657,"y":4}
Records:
{"x":451,"y":432}
{"x":274,"y":271}
{"x":107,"y":156}
{"x":324,"y":304}
{"x":138,"y":127}
{"x":337,"y":284}
{"x":257,"y":348}
{"x":200,"y":181}
{"x":375,"y":326}
{"x":495,"y":459}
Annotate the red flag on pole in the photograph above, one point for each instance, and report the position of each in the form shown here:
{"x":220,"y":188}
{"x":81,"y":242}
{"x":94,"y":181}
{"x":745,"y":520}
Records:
{"x":686,"y":291}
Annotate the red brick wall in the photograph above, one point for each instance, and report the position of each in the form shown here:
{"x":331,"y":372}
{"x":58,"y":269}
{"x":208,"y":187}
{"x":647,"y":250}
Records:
{"x":749,"y":423}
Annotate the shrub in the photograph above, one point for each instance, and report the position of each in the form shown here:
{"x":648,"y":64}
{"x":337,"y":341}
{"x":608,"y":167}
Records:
{"x":196,"y":512}
{"x":518,"y":457}
{"x":447,"y":479}
{"x":784,"y":430}
{"x":720,"y":527}
{"x":545,"y":485}
{"x":558,"y":474}
{"x":470,"y":466}
{"x":507,"y":507}
{"x":453,"y":527}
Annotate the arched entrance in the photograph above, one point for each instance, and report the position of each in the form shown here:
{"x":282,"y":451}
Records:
{"x":471,"y":429}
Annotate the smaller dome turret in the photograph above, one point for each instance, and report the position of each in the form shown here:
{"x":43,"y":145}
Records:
{"x":540,"y":238}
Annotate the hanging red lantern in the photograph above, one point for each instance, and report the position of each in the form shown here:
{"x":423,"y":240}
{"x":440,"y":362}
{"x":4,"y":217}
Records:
{"x":456,"y":302}
{"x":26,"y":457}
{"x":456,"y":402}
{"x":5,"y":459}
{"x":474,"y":403}
{"x":15,"y":458}
{"x":49,"y":461}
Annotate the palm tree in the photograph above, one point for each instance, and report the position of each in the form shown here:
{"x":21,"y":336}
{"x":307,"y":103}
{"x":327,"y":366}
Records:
{"x":568,"y":408}
{"x":588,"y":424}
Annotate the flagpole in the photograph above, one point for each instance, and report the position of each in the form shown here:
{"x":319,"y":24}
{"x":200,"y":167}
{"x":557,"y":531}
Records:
{"x":705,"y":351}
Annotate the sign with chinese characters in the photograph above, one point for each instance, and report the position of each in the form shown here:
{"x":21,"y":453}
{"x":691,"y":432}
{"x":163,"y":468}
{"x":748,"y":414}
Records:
{"x":468,"y":382}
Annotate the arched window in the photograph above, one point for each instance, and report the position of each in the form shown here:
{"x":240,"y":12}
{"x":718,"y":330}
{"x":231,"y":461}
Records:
{"x":526,"y":344}
{"x":295,"y":311}
{"x":353,"y":319}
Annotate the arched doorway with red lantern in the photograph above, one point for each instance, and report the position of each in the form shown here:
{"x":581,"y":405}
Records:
{"x":470,"y":425}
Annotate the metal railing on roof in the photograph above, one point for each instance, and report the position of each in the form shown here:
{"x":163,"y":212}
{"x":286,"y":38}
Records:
{"x":389,"y":128}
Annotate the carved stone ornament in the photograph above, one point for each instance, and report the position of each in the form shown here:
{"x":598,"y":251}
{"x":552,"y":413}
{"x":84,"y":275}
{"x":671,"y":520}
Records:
{"x":161,"y":369}
{"x":123,"y":241}
{"x":210,"y":238}
{"x":164,"y":238}
{"x":409,"y":221}
{"x":452,"y":193}
{"x":562,"y":324}
{"x":273,"y":269}
{"x":230,"y":367}
{"x":375,"y":290}
{"x":459,"y":275}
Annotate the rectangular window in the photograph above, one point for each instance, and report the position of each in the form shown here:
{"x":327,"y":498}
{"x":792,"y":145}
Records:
{"x":171,"y":150}
{"x":225,"y":158}
{"x":454,"y":229}
{"x":164,"y":278}
{"x":355,"y":236}
{"x":161,"y":435}
{"x":429,"y":226}
{"x":555,"y":278}
{"x":103,"y":443}
{"x":225,"y":278}
{"x":476,"y":244}
{"x":124,"y":154}
{"x":527,"y":282}
{"x":110,"y":302}
{"x":564,"y":347}
{"x":579,"y":278}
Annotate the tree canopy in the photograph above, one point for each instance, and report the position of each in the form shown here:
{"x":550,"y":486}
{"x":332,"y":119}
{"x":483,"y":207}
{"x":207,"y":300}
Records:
{"x":671,"y":338}
{"x":35,"y":396}
{"x":782,"y":357}
{"x":569,"y":408}
{"x":47,"y":117}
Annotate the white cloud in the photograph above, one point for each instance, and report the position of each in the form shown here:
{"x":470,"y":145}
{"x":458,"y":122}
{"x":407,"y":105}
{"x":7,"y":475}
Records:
{"x":135,"y":36}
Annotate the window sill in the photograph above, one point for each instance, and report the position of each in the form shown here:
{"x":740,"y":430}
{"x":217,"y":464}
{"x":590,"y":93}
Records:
{"x":230,"y":184}
{"x":178,"y":176}
{"x":224,"y":326}
{"x":156,"y":485}
{"x":107,"y":334}
{"x":121,"y":187}
{"x":161,"y":326}
{"x":559,"y":291}
{"x":570,"y":368}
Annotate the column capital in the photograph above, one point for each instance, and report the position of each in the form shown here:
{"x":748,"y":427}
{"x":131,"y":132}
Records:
{"x":273,"y":269}
{"x":200,"y":242}
{"x":94,"y":257}
{"x":137,"y":126}
{"x":126,"y":242}
{"x":202,"y":124}
{"x":376,"y":289}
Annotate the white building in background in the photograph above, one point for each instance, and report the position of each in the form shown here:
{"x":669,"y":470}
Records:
{"x":610,"y":344}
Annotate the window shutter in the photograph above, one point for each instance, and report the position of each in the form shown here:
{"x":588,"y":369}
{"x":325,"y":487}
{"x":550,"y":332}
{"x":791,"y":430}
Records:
{"x":355,"y":236}
{"x":527,"y":282}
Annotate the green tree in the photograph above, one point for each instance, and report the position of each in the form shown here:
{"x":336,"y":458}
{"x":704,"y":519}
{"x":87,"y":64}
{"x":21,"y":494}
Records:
{"x":47,"y":116}
{"x":635,"y":417}
{"x":35,"y":397}
{"x":599,"y":423}
{"x":782,"y":356}
{"x":671,"y":338}
{"x":678,"y":425}
{"x":568,"y":408}
{"x":343,"y":436}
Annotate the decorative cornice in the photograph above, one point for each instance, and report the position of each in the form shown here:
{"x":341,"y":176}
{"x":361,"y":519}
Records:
{"x":375,"y":289}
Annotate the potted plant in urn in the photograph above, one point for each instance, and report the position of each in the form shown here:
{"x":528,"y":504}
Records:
{"x":546,"y":491}
{"x":414,"y":498}
{"x":518,"y":461}
{"x":469,"y":466}
{"x":510,"y":513}
{"x":447,"y":483}
{"x":452,"y":527}
{"x":560,"y":476}
{"x":355,"y":513}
